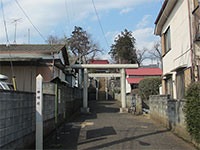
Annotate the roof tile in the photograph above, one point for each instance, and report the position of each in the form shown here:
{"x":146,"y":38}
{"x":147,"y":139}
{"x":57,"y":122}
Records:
{"x":31,"y":48}
{"x":144,"y":72}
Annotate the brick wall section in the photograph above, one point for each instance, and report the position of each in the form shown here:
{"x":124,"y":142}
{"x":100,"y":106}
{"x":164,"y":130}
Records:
{"x":17,"y":115}
{"x":170,"y":113}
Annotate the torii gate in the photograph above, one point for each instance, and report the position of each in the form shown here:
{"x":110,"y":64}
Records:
{"x":122,"y":75}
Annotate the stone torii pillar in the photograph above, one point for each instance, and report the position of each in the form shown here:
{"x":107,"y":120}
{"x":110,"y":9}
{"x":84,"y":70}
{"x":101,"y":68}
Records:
{"x":123,"y":91}
{"x":85,"y":108}
{"x":123,"y":88}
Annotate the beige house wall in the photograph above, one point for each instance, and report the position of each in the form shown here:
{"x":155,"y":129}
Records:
{"x":187,"y":74}
{"x":163,"y":87}
{"x":46,"y":72}
{"x":26,"y":76}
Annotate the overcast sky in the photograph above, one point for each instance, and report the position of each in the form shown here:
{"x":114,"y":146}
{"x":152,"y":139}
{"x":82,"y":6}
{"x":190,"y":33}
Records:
{"x":58,"y":17}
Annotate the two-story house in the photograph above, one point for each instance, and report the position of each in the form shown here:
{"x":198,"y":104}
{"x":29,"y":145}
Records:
{"x":177,"y":26}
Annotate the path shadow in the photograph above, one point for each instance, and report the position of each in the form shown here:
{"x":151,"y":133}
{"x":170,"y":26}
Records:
{"x":106,"y":145}
{"x":69,"y":133}
{"x":105,"y":131}
{"x":103,"y":107}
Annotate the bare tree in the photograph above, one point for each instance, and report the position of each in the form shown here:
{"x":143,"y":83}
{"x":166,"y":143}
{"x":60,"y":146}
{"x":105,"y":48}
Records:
{"x":141,"y":55}
{"x":81,"y":45}
{"x":155,"y":52}
{"x":56,"y":40}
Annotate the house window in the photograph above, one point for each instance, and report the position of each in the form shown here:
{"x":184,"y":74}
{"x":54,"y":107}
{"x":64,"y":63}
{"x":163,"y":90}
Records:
{"x":167,"y":38}
{"x":180,"y":84}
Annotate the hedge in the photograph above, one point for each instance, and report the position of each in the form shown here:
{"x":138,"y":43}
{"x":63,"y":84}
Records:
{"x":192,"y":110}
{"x":149,"y":86}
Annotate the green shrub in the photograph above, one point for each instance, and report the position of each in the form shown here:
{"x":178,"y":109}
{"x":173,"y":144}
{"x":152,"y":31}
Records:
{"x":149,"y":86}
{"x":192,"y":110}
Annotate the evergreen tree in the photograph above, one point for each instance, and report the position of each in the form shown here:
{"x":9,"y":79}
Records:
{"x":123,"y":50}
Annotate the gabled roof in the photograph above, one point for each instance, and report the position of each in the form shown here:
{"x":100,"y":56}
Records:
{"x":33,"y":52}
{"x":144,"y":72}
{"x":31,"y":48}
{"x":99,"y":62}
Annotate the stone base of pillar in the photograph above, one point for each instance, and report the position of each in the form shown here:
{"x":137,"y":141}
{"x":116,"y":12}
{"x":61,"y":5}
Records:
{"x":123,"y":110}
{"x":85,"y":110}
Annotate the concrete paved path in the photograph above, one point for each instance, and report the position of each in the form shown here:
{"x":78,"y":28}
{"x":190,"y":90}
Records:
{"x":106,"y":128}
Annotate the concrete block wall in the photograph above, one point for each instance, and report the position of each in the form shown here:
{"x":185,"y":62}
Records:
{"x":129,"y":99}
{"x":138,"y":105}
{"x":132,"y":98}
{"x":170,"y":113}
{"x":17,"y":114}
{"x":167,"y":109}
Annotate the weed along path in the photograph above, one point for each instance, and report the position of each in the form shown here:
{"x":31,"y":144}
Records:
{"x":106,"y":128}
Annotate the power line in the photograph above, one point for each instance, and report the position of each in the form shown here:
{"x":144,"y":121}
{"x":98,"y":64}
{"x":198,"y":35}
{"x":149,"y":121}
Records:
{"x":4,"y":20}
{"x":30,"y":20}
{"x":67,"y":14}
{"x":100,"y":23}
{"x":8,"y":43}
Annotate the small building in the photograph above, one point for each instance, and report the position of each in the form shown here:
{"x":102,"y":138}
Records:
{"x":135,"y":75}
{"x":99,"y":62}
{"x":25,"y":62}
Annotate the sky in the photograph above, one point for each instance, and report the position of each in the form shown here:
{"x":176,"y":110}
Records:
{"x":58,"y":18}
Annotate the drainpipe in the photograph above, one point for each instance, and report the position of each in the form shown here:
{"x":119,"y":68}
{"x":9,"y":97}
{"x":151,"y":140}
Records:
{"x":56,"y":111}
{"x":191,"y":43}
{"x":56,"y":104}
{"x":196,"y":72}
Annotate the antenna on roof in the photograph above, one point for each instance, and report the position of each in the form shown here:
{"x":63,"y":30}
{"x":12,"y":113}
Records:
{"x":15,"y":33}
{"x":29,"y":36}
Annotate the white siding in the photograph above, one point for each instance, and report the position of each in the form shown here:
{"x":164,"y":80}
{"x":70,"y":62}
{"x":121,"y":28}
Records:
{"x":180,"y":53}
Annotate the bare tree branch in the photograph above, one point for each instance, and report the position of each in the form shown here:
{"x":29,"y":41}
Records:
{"x":141,"y":55}
{"x":82,"y":46}
{"x":155,"y":52}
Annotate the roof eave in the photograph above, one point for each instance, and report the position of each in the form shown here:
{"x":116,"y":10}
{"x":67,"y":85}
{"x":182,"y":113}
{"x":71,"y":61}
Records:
{"x":164,"y":13}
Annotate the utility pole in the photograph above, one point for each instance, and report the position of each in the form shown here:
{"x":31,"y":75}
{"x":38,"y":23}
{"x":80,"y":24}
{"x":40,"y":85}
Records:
{"x":15,"y":33}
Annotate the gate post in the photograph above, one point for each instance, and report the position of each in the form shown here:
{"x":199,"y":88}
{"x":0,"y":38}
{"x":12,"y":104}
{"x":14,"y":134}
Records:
{"x":97,"y":88}
{"x":106,"y":87}
{"x":39,"y":112}
{"x":123,"y":90}
{"x":85,"y":108}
